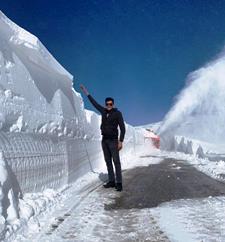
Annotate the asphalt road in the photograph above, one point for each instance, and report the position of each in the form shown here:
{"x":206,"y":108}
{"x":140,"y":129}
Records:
{"x":147,"y":187}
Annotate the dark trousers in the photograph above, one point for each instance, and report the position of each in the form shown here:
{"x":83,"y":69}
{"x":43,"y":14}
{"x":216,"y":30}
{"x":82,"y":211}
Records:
{"x":111,"y":152}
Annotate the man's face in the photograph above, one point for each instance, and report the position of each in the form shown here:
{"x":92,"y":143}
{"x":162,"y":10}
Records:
{"x":109,"y":105}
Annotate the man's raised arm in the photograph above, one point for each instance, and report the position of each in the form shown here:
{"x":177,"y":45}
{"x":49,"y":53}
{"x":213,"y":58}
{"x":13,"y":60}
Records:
{"x":92,"y":100}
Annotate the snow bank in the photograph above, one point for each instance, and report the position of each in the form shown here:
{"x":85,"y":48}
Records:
{"x":193,"y":147}
{"x":182,"y":144}
{"x":47,"y":138}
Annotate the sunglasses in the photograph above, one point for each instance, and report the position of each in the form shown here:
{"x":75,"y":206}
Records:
{"x":109,"y":104}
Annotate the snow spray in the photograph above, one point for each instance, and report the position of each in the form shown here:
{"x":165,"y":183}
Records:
{"x":199,"y":110}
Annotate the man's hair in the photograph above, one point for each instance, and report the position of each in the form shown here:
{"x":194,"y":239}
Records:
{"x":109,"y":99}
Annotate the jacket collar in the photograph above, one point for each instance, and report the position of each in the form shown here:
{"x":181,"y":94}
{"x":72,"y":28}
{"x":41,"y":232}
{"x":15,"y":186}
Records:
{"x":112,"y":110}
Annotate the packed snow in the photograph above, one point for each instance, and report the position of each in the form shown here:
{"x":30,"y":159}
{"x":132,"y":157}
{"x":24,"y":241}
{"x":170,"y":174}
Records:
{"x":193,"y":220}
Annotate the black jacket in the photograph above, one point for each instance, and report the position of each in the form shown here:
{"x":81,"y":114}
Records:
{"x":110,"y":121}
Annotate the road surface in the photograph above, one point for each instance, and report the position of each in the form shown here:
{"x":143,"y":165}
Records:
{"x":137,"y":213}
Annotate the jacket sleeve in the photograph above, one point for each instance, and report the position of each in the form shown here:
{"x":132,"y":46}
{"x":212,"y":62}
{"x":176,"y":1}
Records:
{"x":95,"y":104}
{"x":122,"y":127}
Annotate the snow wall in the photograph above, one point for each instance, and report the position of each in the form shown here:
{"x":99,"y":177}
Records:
{"x":186,"y":146}
{"x":47,"y":138}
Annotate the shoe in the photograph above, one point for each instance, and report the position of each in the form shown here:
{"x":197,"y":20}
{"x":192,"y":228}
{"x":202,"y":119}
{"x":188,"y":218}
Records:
{"x":109,"y":184}
{"x":119,"y":187}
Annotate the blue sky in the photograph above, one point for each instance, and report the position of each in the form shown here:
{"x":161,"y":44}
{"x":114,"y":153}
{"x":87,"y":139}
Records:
{"x":138,"y":52}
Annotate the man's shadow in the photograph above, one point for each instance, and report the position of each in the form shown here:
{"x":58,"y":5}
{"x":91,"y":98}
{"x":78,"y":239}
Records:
{"x":11,"y":185}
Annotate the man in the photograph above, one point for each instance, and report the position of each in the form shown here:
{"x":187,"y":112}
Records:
{"x":111,"y":119}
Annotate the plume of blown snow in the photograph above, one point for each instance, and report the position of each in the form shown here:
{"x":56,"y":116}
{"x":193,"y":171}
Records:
{"x":199,"y":111}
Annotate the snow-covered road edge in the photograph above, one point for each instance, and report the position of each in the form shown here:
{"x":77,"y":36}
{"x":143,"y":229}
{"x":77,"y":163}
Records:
{"x":35,"y":208}
{"x":214,"y":169}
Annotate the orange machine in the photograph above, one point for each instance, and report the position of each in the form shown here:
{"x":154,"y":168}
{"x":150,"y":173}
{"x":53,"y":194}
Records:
{"x":150,"y":134}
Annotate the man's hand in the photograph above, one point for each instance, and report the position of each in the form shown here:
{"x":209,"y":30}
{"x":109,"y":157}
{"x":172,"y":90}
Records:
{"x":85,"y":91}
{"x":120,"y":145}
